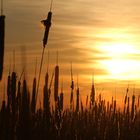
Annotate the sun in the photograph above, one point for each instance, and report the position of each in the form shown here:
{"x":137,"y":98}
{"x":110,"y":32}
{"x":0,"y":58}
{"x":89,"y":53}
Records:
{"x":120,"y":66}
{"x":120,"y":63}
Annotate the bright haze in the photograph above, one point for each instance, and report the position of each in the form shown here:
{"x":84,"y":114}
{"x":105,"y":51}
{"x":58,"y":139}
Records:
{"x":100,"y":38}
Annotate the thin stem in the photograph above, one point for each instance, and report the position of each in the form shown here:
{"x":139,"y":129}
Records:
{"x":40,"y":72}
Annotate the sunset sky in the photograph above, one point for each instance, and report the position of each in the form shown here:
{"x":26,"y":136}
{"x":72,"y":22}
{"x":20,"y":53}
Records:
{"x":100,"y":37}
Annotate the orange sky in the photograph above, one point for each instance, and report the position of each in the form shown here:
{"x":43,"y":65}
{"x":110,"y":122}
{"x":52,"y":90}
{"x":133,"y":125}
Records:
{"x":100,"y":37}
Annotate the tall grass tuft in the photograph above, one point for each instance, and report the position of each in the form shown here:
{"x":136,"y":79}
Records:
{"x":20,"y":119}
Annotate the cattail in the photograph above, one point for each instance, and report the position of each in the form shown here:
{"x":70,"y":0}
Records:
{"x":33,"y":100}
{"x":112,"y":101}
{"x":100,"y":98}
{"x":125,"y":101}
{"x":45,"y":97}
{"x":56,"y":83}
{"x":2,"y":36}
{"x":77,"y":100}
{"x":3,"y":107}
{"x":114,"y":106}
{"x":61,"y":100}
{"x":72,"y":88}
{"x":24,"y":95}
{"x":92,"y":95}
{"x":8,"y":91}
{"x":82,"y":108}
{"x":133,"y":107}
{"x":13,"y":91}
{"x":108,"y":107}
{"x":18,"y":99}
{"x":87,"y":101}
{"x":138,"y":100}
{"x":25,"y":102}
{"x":128,"y":107}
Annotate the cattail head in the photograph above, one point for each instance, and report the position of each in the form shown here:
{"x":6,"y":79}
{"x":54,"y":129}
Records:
{"x":13,"y":83}
{"x":72,"y":85}
{"x":77,"y":100}
{"x":47,"y":24}
{"x":133,"y":107}
{"x":114,"y":106}
{"x":13,"y":92}
{"x":8,"y":85}
{"x":61,"y":100}
{"x":33,"y":100}
{"x":138,"y":100}
{"x":19,"y":95}
{"x":87,"y":101}
{"x":82,"y":108}
{"x":92,"y":95}
{"x":125,"y":100}
{"x":56,"y":83}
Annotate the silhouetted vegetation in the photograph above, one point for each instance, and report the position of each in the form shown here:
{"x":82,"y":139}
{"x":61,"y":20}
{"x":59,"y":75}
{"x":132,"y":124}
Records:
{"x":20,"y":119}
{"x":2,"y":38}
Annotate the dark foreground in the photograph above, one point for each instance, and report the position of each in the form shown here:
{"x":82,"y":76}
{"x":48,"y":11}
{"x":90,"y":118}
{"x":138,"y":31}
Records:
{"x":97,"y":120}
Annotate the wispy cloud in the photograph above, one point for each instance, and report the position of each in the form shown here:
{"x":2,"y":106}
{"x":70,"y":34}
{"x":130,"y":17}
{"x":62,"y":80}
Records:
{"x":78,"y":28}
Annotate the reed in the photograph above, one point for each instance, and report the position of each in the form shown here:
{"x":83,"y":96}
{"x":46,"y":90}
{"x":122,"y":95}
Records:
{"x":56,"y":83}
{"x":20,"y":119}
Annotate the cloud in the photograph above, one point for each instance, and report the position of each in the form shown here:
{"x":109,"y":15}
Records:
{"x":78,"y":26}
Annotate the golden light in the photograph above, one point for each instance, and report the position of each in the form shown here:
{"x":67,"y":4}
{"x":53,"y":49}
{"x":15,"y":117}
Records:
{"x":118,"y":49}
{"x":120,"y":64}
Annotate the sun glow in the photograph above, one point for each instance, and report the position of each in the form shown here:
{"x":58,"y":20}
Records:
{"x":120,"y":64}
{"x":119,"y":49}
